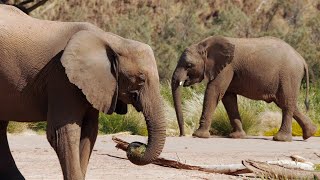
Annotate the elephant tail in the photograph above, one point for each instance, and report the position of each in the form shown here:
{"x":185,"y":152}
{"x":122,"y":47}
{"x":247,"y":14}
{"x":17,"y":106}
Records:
{"x":306,"y":101}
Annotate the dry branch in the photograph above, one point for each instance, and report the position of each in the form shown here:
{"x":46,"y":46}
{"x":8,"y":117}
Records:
{"x":231,"y":169}
{"x":23,"y":6}
{"x":278,"y":171}
{"x":281,"y":168}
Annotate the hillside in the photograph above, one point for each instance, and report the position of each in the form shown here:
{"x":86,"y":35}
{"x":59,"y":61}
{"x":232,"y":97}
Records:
{"x":171,"y":25}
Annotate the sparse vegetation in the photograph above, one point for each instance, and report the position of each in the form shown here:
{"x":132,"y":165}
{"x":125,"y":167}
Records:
{"x":132,"y":122}
{"x":259,"y":118}
{"x":39,"y":127}
{"x":16,"y":127}
{"x":170,"y":26}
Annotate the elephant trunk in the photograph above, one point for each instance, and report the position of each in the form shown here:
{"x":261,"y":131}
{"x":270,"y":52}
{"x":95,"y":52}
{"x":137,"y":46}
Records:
{"x":176,"y":84}
{"x":152,"y":109}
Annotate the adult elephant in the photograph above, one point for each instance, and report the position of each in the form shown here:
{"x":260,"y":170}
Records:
{"x":259,"y":68}
{"x":65,"y":73}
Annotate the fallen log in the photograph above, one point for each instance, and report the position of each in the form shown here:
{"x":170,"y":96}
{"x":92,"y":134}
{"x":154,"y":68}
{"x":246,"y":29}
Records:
{"x":248,"y":166}
{"x":276,"y":171}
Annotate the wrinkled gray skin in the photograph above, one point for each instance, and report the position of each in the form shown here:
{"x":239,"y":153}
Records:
{"x":65,"y":73}
{"x":259,"y":68}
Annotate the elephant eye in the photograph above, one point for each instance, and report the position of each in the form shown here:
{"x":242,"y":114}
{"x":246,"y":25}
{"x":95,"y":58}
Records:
{"x":142,"y":79}
{"x":189,"y":65}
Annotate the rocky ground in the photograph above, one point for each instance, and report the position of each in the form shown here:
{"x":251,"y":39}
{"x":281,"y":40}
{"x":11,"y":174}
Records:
{"x":37,"y":160}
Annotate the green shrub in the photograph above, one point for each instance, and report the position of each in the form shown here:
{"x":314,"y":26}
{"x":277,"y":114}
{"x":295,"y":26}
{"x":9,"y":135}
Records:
{"x":249,"y":111}
{"x":39,"y":127}
{"x":133,"y":122}
{"x":192,"y":109}
{"x":166,"y":92}
{"x":220,"y":122}
{"x":16,"y":127}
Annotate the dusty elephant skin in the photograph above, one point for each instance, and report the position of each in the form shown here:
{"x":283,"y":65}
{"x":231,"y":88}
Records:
{"x":65,"y":73}
{"x":259,"y":68}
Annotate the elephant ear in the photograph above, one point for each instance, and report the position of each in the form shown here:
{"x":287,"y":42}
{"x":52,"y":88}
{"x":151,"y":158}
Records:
{"x":92,"y":65}
{"x":219,"y":53}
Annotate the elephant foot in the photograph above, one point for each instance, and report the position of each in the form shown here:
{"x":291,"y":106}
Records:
{"x":201,"y":133}
{"x":281,"y":136}
{"x":237,"y":134}
{"x":309,"y":131}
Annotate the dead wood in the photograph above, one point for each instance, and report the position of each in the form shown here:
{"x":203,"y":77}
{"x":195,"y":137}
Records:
{"x":26,"y":6}
{"x":287,"y":169}
{"x":231,"y":169}
{"x":263,"y":169}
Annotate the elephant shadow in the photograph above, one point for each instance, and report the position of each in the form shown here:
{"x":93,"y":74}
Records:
{"x":267,"y":138}
{"x":256,"y":137}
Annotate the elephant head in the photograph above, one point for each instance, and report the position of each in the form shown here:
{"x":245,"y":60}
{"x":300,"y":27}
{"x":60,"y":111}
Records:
{"x":203,"y":60}
{"x":113,"y":72}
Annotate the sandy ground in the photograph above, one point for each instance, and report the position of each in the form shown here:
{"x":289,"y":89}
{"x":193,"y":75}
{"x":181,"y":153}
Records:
{"x":37,"y":160}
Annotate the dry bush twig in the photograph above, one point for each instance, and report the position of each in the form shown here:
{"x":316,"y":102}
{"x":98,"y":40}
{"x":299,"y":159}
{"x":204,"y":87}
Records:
{"x":23,"y":5}
{"x":35,"y":6}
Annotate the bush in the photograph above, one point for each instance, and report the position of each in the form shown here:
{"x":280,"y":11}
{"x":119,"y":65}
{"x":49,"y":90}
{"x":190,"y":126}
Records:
{"x":133,"y":122}
{"x":16,"y":127}
{"x":39,"y":127}
{"x":249,"y":112}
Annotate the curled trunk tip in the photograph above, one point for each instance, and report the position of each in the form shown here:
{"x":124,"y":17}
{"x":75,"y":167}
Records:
{"x":139,"y":153}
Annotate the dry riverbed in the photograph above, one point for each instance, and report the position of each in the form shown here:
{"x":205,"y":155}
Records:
{"x":37,"y":160}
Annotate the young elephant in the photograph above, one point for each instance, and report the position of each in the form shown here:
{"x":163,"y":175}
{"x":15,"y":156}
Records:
{"x":65,"y":73}
{"x":259,"y":68}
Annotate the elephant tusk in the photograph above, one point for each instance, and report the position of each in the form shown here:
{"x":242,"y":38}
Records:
{"x":181,"y":83}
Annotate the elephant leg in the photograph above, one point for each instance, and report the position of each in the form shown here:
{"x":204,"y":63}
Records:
{"x":215,"y":90}
{"x":305,"y":123}
{"x":63,"y":133}
{"x":286,"y":99}
{"x":89,"y":132}
{"x":65,"y":141}
{"x":285,"y":131}
{"x":8,"y":168}
{"x":67,"y":107}
{"x":229,"y":101}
